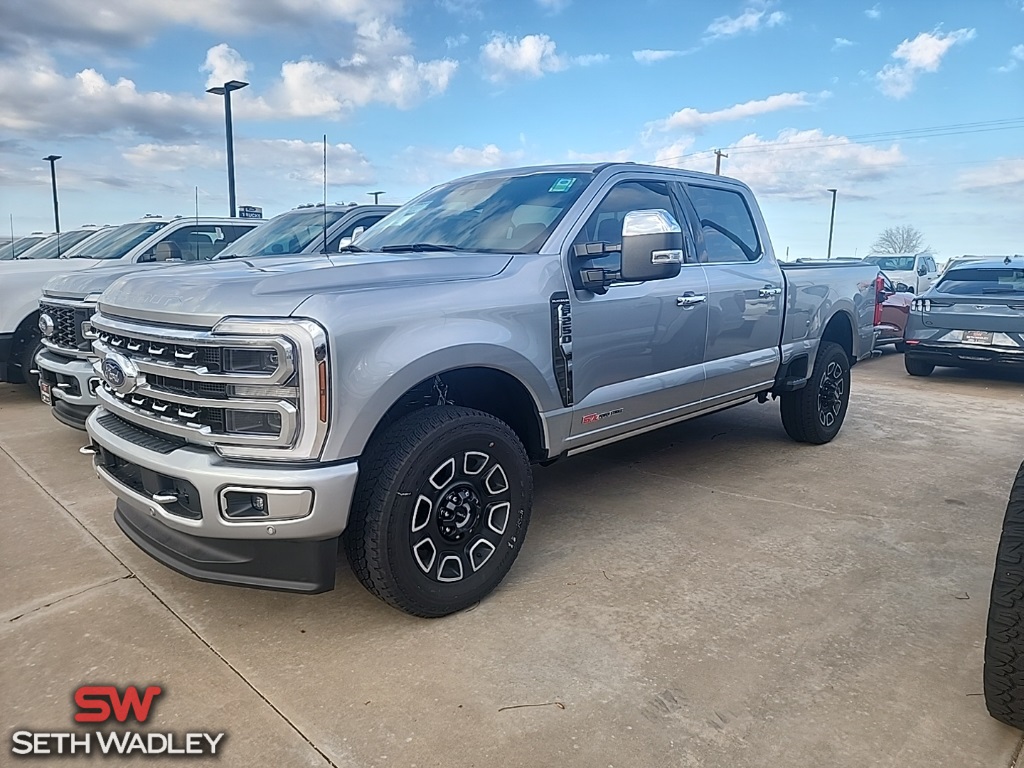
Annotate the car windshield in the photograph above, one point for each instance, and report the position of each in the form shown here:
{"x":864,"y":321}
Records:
{"x":968,"y":281}
{"x":288,"y":233}
{"x":57,"y":245}
{"x":892,"y":263}
{"x":116,"y":242}
{"x":19,"y":246}
{"x":510,"y":214}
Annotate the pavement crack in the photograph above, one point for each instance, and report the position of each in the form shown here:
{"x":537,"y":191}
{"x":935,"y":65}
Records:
{"x":68,"y":596}
{"x":132,"y":575}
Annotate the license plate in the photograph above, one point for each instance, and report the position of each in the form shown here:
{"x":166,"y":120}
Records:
{"x":977,"y":337}
{"x":44,"y":392}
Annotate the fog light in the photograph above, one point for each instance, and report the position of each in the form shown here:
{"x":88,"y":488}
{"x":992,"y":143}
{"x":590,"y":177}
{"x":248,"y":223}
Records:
{"x":240,"y":505}
{"x":252,"y":422}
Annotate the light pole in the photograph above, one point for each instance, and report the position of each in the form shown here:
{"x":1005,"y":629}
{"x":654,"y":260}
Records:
{"x":831,"y":224}
{"x":376,"y":196}
{"x":225,"y":91}
{"x":52,"y":159}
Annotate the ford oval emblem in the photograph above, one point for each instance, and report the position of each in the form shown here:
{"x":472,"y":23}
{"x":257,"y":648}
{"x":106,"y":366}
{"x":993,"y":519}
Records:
{"x":120,"y":373}
{"x":46,"y":325}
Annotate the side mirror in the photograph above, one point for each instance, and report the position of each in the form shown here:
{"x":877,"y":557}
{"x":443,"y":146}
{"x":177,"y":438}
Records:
{"x":149,"y":255}
{"x":904,"y":288}
{"x":922,"y":270}
{"x":652,"y":246}
{"x":357,"y":232}
{"x":344,"y":242}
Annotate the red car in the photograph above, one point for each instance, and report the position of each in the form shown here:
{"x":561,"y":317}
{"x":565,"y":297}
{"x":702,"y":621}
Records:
{"x":892,"y":312}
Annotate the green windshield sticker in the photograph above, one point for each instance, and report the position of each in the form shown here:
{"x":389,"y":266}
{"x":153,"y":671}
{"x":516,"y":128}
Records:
{"x":562,"y":185}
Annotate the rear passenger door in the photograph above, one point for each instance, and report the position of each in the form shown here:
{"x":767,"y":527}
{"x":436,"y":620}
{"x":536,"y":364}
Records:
{"x":745,"y":293}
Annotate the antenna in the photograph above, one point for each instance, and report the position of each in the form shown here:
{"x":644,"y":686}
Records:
{"x":325,"y":195}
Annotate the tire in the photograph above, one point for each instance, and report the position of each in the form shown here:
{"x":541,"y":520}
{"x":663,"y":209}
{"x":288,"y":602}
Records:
{"x":1004,"y":639}
{"x":917,"y":367}
{"x":440,"y":511}
{"x":901,"y":347}
{"x":815,"y":414}
{"x":27,"y":360}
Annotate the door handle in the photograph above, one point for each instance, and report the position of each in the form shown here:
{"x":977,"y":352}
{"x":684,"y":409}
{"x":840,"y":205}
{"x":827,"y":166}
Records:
{"x":768,"y":292}
{"x":690,"y":300}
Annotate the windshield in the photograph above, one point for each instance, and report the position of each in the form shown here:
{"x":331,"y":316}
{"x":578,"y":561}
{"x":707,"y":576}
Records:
{"x":892,"y":263}
{"x":19,"y":246}
{"x":512,"y":214}
{"x":116,"y":242}
{"x":288,"y":233}
{"x":966,"y":281}
{"x":57,"y":245}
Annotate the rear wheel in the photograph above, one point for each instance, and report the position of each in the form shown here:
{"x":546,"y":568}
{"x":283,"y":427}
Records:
{"x":1004,"y":640}
{"x":815,"y":414}
{"x":916,"y":367}
{"x":441,"y":510}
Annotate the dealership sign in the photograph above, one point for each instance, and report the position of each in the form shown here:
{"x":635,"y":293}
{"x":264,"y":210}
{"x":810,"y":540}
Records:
{"x":104,"y":705}
{"x":250,"y":212}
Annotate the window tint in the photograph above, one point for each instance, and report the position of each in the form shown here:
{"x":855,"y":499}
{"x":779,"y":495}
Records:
{"x":726,"y":223}
{"x":605,"y":223}
{"x":194,"y":243}
{"x":892,"y":263}
{"x":968,"y":281}
{"x":116,"y":242}
{"x":365,"y":222}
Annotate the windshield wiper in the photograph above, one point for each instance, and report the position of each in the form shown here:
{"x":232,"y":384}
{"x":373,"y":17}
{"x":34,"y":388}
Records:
{"x":79,"y":256}
{"x":418,"y":247}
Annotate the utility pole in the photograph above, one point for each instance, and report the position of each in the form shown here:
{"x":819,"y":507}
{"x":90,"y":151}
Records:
{"x":719,"y":154}
{"x":52,"y":159}
{"x":831,"y":224}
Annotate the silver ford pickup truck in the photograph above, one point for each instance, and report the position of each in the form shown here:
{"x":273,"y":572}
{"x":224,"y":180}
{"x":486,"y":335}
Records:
{"x":255,"y":417}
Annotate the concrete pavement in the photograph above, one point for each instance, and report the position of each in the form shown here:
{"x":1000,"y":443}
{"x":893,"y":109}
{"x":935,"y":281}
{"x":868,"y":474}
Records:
{"x":708,"y":595}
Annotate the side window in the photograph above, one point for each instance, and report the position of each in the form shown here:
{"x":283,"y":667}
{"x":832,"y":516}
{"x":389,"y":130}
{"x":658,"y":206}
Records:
{"x":726,"y":223}
{"x":365,"y":222}
{"x":192,"y":243}
{"x":605,"y":223}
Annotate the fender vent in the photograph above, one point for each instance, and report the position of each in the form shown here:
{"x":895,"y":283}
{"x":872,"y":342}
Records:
{"x":561,"y":345}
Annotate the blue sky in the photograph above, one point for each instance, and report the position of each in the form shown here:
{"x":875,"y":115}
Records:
{"x":914,"y":111}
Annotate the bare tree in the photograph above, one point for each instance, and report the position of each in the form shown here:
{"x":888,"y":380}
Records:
{"x":900,"y":240}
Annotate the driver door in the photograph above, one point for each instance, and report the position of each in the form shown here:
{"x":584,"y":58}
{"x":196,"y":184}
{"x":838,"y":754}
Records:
{"x":638,"y":348}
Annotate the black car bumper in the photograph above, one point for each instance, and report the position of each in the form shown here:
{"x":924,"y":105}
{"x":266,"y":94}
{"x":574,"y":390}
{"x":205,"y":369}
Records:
{"x":963,"y":356}
{"x":290,"y":566}
{"x":6,"y":343}
{"x":72,"y":415}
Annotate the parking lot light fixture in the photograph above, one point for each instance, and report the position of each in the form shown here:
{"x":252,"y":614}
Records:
{"x":225,"y":91}
{"x":831,"y":224}
{"x":52,"y":160}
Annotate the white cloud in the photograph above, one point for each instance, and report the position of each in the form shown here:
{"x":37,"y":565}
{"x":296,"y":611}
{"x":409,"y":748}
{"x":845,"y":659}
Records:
{"x":489,"y":156}
{"x":922,"y":54}
{"x":533,"y":56}
{"x":468,"y":8}
{"x":554,"y":6}
{"x":674,"y":155}
{"x":173,"y":157}
{"x":1016,"y":57}
{"x":800,"y":164}
{"x":695,"y":121}
{"x":1003,"y":175}
{"x":608,"y":156}
{"x":648,"y":56}
{"x":753,"y":18}
{"x":841,"y":42}
{"x":224,"y":63}
{"x":456,"y":41}
{"x":874,"y":12}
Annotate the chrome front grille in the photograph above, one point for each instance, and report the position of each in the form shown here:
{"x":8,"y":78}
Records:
{"x":238,"y":392}
{"x":67,"y":325}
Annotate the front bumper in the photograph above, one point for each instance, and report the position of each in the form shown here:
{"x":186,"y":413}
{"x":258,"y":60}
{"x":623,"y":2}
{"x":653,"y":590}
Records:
{"x":965,"y":355}
{"x":73,"y":384}
{"x":193,"y":534}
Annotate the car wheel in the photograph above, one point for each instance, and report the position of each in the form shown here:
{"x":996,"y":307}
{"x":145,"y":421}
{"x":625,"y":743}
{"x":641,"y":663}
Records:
{"x":1004,"y":639}
{"x":916,"y":367}
{"x":27,"y":360}
{"x":815,"y":414}
{"x":441,"y":510}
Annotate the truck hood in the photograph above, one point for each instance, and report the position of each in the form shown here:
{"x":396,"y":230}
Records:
{"x":79,"y":285}
{"x":15,"y":267}
{"x":275,"y":287}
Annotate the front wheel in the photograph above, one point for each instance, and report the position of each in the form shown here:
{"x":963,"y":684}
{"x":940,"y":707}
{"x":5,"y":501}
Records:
{"x":441,"y":510}
{"x":815,"y":414}
{"x":1004,"y":639}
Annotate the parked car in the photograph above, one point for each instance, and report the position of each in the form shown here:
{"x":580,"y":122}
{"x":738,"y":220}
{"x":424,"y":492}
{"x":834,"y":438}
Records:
{"x":1003,"y":675}
{"x":14,"y":248}
{"x":58,"y":245}
{"x":956,"y":261}
{"x":67,"y":380}
{"x":916,"y":270}
{"x":398,"y":393}
{"x":973,"y":316}
{"x":892,"y":311}
{"x":150,"y":240}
